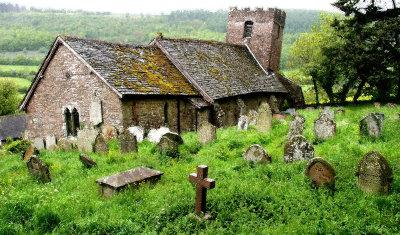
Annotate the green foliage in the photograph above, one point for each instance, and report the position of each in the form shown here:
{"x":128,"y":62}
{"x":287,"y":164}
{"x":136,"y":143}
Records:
{"x":8,"y":97}
{"x":17,"y":146}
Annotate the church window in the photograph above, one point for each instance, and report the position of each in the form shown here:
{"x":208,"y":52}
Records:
{"x":248,"y":29}
{"x":165,"y":113}
{"x":75,"y":122}
{"x":68,"y":121}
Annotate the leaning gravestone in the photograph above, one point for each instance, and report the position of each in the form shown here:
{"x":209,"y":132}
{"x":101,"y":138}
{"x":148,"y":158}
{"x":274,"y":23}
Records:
{"x":207,"y":133}
{"x":256,"y":153}
{"x":85,"y":139}
{"x":264,"y":118}
{"x":65,"y":144}
{"x":169,"y":143}
{"x":243,"y":123}
{"x":39,"y":143}
{"x":297,"y":149}
{"x":371,"y":125}
{"x":38,"y":169}
{"x":296,"y":126}
{"x":51,"y":143}
{"x":320,"y":172}
{"x":100,"y":144}
{"x":111,"y":185}
{"x":156,"y":134}
{"x":137,"y":131}
{"x":127,"y":142}
{"x":324,"y":127}
{"x":87,"y":161}
{"x":374,"y":173}
{"x":30,"y":151}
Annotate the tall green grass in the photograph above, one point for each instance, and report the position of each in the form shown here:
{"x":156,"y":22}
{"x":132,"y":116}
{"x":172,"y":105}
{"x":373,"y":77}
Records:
{"x":248,"y":198}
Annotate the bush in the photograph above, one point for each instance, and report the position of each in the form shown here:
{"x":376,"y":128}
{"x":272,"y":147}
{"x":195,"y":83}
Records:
{"x":18,"y":146}
{"x":8,"y":97}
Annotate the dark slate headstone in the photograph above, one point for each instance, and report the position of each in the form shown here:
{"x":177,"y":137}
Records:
{"x":127,"y":142}
{"x":324,"y":127}
{"x":297,"y":149}
{"x":256,"y":153}
{"x":296,"y":126}
{"x":100,"y":144}
{"x":38,"y":169}
{"x":374,"y":173}
{"x":320,"y":172}
{"x":111,"y":185}
{"x":371,"y":125}
{"x":87,"y":161}
{"x":169,"y":144}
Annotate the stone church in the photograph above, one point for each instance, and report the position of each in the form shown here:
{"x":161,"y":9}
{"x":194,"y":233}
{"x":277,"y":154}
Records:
{"x":177,"y":83}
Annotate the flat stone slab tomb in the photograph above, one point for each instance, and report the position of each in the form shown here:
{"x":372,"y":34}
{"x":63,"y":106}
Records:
{"x":112,"y":184}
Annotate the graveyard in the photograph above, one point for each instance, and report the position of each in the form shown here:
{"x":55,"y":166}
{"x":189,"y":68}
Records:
{"x":269,"y":196}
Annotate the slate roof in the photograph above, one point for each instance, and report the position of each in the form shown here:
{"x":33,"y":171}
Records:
{"x":12,"y":126}
{"x":132,"y":69}
{"x":221,"y":69}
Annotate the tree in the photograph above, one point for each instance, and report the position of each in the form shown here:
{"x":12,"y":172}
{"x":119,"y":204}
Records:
{"x":8,"y":97}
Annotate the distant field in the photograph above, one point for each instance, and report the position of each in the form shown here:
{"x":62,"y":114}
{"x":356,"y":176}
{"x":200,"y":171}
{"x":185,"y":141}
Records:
{"x":22,"y":85}
{"x":18,"y":68}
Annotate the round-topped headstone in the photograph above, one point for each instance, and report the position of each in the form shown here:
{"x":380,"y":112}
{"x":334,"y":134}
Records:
{"x":320,"y":172}
{"x":324,"y":127}
{"x":256,"y":153}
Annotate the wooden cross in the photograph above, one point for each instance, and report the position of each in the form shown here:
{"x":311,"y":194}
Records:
{"x":202,"y":184}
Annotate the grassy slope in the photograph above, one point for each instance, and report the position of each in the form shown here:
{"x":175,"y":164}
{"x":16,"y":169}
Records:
{"x":248,"y":198}
{"x":18,"y":68}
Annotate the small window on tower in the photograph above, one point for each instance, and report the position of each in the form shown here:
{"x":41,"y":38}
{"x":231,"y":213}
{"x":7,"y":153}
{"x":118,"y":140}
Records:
{"x":248,"y":29}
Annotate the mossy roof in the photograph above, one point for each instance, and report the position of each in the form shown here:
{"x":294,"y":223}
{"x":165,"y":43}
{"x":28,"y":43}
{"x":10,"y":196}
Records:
{"x":221,"y":69}
{"x":132,"y":69}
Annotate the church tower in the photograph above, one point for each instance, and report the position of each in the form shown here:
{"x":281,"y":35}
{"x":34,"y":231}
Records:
{"x":261,"y":30}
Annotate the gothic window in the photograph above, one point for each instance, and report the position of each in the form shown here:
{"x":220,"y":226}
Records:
{"x":75,"y":122}
{"x":68,"y":121}
{"x":165,"y":113}
{"x":248,"y":29}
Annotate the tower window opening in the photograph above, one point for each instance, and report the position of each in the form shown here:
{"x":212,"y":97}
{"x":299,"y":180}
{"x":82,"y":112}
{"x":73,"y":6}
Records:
{"x":248,"y":29}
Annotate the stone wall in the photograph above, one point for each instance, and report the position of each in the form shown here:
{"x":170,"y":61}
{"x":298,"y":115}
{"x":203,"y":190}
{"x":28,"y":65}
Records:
{"x":68,"y":83}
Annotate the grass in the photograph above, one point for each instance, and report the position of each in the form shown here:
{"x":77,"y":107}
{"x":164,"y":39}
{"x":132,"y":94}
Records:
{"x":248,"y":198}
{"x":18,"y":68}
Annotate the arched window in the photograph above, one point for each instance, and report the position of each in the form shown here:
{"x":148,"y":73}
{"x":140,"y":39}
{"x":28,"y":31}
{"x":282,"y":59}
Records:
{"x":68,"y":121}
{"x":248,"y":29}
{"x":75,"y":122}
{"x":165,"y":113}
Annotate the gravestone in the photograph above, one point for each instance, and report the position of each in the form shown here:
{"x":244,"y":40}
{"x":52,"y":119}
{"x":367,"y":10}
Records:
{"x":252,"y":115}
{"x":327,"y":107}
{"x":296,"y":126}
{"x":391,"y":105}
{"x":374,"y":173}
{"x":206,"y":133}
{"x":137,"y":131}
{"x":243,"y":123}
{"x":30,"y":151}
{"x":321,"y":172}
{"x":85,"y":139}
{"x":264,"y":118}
{"x":65,"y":144}
{"x":51,"y":143}
{"x":100,"y":144}
{"x":377,"y":105}
{"x":290,"y":111}
{"x":127,"y":142}
{"x":256,"y":153}
{"x":110,"y":132}
{"x":280,"y":117}
{"x":274,"y":104}
{"x":371,"y":125}
{"x":324,"y":127}
{"x":156,"y":134}
{"x":112,"y":185}
{"x":169,"y":144}
{"x":87,"y":161}
{"x":95,"y":113}
{"x":340,"y":111}
{"x":297,"y":149}
{"x":329,"y":112}
{"x":310,"y":108}
{"x":39,"y":143}
{"x":202,"y":184}
{"x":38,"y":169}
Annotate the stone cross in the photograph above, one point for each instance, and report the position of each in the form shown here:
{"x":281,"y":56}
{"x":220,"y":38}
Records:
{"x":202,"y":184}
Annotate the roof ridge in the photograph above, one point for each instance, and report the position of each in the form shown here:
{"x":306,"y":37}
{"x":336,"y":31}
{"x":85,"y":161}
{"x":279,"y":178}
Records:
{"x":201,"y":40}
{"x":65,"y":36}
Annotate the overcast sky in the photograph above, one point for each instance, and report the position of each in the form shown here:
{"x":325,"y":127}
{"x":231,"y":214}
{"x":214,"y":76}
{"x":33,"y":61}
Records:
{"x":166,"y":6}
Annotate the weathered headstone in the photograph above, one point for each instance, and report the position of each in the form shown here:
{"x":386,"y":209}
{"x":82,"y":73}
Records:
{"x":340,"y":111}
{"x":327,"y":107}
{"x":87,"y":161}
{"x":377,"y":105}
{"x":256,"y":153}
{"x":156,"y":134}
{"x":243,"y":123}
{"x":297,"y":149}
{"x":252,"y":117}
{"x":290,"y":111}
{"x":324,"y":127}
{"x":310,"y":108}
{"x":137,"y":131}
{"x":65,"y":144}
{"x":206,"y":133}
{"x":112,"y":185}
{"x":30,"y":151}
{"x":202,"y":184}
{"x":127,"y":142}
{"x":391,"y":105}
{"x":374,"y":173}
{"x":85,"y":139}
{"x":39,"y":143}
{"x":169,"y":144}
{"x":296,"y":126}
{"x":95,"y":112}
{"x":110,"y":132}
{"x":371,"y":125}
{"x":100,"y":144}
{"x":380,"y":116}
{"x":51,"y":143}
{"x":329,"y":112}
{"x":274,"y":104}
{"x":264,"y":118}
{"x":38,"y":169}
{"x":320,"y":172}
